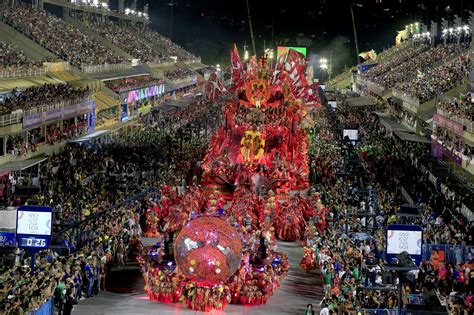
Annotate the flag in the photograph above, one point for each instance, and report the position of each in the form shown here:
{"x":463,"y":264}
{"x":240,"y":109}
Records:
{"x":237,"y":68}
{"x":252,"y":65}
{"x":294,"y":56}
{"x":368,"y":55}
{"x":401,"y":36}
{"x":214,"y":87}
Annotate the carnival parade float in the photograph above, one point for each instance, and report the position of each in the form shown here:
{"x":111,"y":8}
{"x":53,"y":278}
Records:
{"x":217,"y":242}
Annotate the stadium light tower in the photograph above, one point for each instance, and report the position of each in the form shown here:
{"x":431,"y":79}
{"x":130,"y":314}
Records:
{"x":323,"y":63}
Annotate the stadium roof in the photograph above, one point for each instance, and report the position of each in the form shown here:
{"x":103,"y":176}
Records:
{"x":90,"y":136}
{"x":360,"y":101}
{"x":411,"y":137}
{"x":390,"y":122}
{"x":20,"y":165}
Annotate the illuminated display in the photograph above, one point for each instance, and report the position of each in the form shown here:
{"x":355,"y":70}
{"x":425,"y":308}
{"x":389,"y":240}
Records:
{"x":33,"y":227}
{"x":33,"y":242}
{"x":140,"y":94}
{"x":281,"y":50}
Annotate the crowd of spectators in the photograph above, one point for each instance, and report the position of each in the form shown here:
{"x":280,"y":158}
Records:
{"x":403,"y":55}
{"x":462,"y":107}
{"x":88,"y":183}
{"x":71,"y":278}
{"x":178,"y":74}
{"x":12,"y":58}
{"x":407,"y":70}
{"x":140,"y":42}
{"x":45,"y":94}
{"x":131,"y":83}
{"x":63,"y":39}
{"x":386,"y":54}
{"x":437,"y":80}
{"x":453,"y":142}
{"x":351,"y":249}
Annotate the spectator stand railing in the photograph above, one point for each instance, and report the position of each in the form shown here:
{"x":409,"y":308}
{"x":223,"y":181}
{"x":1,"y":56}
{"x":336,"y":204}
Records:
{"x":106,"y":68}
{"x":161,"y":64}
{"x":189,"y":62}
{"x":47,"y":308}
{"x":453,"y":254}
{"x":465,"y":122}
{"x":59,"y":105}
{"x":22,"y":73}
{"x":413,"y":101}
{"x":10,"y":119}
{"x":376,"y":88}
{"x":379,"y":311}
{"x":75,"y":230}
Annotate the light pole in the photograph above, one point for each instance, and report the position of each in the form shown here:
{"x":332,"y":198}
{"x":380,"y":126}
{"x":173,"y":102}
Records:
{"x":251,"y":28}
{"x":355,"y":33}
{"x":323,"y":64}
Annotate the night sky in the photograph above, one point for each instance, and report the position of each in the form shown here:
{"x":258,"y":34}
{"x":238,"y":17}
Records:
{"x":209,"y":27}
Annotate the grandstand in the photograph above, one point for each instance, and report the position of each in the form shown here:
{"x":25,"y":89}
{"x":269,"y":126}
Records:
{"x":45,"y":54}
{"x":426,"y":81}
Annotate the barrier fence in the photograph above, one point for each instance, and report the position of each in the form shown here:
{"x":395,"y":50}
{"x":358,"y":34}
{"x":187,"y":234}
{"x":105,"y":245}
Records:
{"x":10,"y":119}
{"x":46,"y":309}
{"x":406,"y":98}
{"x":106,"y":68}
{"x":22,"y":73}
{"x":380,"y":311}
{"x":449,"y":254}
{"x":462,"y":121}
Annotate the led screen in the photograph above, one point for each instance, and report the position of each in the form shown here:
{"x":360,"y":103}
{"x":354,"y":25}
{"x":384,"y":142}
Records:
{"x":34,"y":222}
{"x":404,"y":241}
{"x":281,"y":50}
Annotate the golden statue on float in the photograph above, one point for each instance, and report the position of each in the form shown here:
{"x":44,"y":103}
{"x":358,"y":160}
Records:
{"x":252,"y":146}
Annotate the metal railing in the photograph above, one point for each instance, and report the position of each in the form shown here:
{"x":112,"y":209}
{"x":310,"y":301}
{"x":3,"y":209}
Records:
{"x":59,"y":105}
{"x":161,"y":64}
{"x":380,"y":311}
{"x":10,"y":119}
{"x":376,"y":88}
{"x":21,"y":73}
{"x":469,"y":124}
{"x":196,"y":60}
{"x":406,"y":98}
{"x":106,"y":68}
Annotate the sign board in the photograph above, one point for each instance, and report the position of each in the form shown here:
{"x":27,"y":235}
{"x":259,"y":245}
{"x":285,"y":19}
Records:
{"x":404,"y":238}
{"x":34,"y":227}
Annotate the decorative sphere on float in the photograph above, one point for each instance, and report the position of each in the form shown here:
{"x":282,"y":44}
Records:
{"x":208,"y":250}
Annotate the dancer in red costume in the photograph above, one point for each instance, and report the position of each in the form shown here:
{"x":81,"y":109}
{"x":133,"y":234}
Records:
{"x":260,"y":148}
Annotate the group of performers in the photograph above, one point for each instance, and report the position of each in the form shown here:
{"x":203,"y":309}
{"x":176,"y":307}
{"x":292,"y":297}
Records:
{"x":259,"y":158}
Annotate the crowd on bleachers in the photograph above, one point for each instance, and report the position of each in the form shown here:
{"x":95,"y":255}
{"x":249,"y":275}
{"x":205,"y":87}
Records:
{"x":11,"y":58}
{"x":462,"y":107}
{"x":178,"y":74}
{"x":436,"y":81}
{"x":140,"y":42}
{"x":385,"y":54}
{"x":350,"y":248}
{"x":386,"y":64}
{"x":36,"y":96}
{"x":453,"y":142}
{"x":408,"y":70}
{"x":84,"y":183}
{"x":131,"y":83}
{"x":61,"y":38}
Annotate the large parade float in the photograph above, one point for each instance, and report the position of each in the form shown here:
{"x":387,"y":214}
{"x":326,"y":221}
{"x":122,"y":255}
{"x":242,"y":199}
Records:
{"x":217,"y":242}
